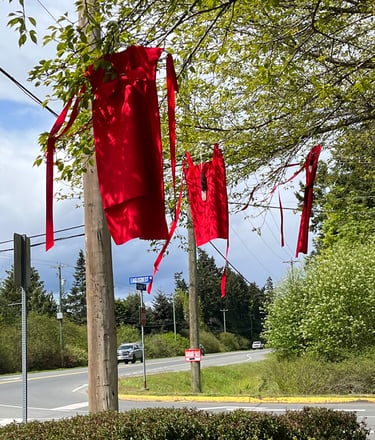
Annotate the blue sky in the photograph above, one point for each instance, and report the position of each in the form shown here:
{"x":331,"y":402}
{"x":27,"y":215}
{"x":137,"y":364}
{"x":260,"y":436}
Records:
{"x":22,"y":196}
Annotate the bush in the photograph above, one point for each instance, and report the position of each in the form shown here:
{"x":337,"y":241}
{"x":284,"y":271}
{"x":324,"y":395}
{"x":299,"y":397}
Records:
{"x":188,"y":424}
{"x":43,"y":342}
{"x":75,"y":356}
{"x":234,"y":342}
{"x":211,"y":343}
{"x":164,"y":345}
{"x":10,"y":348}
{"x":308,"y":375}
{"x":127,"y":333}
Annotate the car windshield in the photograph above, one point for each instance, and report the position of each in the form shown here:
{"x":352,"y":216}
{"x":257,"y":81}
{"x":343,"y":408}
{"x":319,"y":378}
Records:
{"x":126,"y":347}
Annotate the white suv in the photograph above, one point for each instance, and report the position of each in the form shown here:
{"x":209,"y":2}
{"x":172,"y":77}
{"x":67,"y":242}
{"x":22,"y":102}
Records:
{"x":129,"y":353}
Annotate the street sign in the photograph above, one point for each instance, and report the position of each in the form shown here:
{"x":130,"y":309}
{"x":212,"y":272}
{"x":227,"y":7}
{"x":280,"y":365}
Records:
{"x":140,"y":286}
{"x":140,"y":279}
{"x":192,"y":355}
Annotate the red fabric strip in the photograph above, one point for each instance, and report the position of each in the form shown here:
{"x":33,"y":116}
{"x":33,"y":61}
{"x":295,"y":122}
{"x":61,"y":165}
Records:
{"x":52,"y":138}
{"x":311,"y":165}
{"x":172,"y":87}
{"x":171,"y":232}
{"x":281,"y":222}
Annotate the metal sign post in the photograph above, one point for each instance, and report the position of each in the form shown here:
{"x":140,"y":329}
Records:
{"x":22,"y":269}
{"x":140,"y":282}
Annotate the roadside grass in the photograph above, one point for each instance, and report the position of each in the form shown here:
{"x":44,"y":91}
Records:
{"x":271,"y":377}
{"x":219,"y":381}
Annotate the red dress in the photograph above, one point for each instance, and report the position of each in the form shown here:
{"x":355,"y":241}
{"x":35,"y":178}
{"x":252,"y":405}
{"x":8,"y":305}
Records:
{"x":128,"y":144}
{"x":207,"y":191}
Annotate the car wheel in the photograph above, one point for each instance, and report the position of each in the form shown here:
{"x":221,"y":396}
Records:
{"x":133,"y":360}
{"x":125,"y":362}
{"x":141,"y":359}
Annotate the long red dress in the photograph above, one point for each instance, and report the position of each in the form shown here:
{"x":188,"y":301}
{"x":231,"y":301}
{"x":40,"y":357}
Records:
{"x":128,"y":144}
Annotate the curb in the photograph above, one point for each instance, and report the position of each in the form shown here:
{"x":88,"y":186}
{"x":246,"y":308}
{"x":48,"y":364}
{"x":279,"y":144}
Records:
{"x":248,"y":399}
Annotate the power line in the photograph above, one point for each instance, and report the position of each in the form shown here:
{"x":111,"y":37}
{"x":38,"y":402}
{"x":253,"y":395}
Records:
{"x":230,"y":264}
{"x":27,"y":92}
{"x":69,"y":237}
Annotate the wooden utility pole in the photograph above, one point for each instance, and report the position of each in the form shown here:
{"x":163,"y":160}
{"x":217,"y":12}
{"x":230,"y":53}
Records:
{"x":196,"y":386}
{"x":101,"y":327}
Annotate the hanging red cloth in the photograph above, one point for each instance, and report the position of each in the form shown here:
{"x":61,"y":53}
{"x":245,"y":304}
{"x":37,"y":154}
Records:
{"x":128,"y":147}
{"x":206,"y":184}
{"x":310,"y":166}
{"x":128,"y":143}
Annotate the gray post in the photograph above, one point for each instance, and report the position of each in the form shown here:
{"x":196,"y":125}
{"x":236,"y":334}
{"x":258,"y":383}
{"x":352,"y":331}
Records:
{"x":224,"y":321}
{"x":174,"y":318}
{"x":60,"y":317}
{"x":141,"y":287}
{"x":196,"y":386}
{"x":22,"y":280}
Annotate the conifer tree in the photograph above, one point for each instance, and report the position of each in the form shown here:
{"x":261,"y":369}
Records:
{"x":75,"y":301}
{"x":38,"y":300}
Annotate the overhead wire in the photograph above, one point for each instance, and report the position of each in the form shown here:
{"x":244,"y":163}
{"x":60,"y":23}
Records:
{"x":27,"y":92}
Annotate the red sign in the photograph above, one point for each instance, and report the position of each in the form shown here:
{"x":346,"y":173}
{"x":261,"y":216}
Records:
{"x":192,"y":355}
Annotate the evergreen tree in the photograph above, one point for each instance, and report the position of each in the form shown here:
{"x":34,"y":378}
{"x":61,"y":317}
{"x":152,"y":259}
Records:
{"x":75,"y":300}
{"x":209,"y":290}
{"x":127,"y":310}
{"x":179,"y":282}
{"x":162,"y":310}
{"x":38,"y":300}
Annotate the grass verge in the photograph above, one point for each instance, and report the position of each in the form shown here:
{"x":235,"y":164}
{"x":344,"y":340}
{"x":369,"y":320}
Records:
{"x":270,"y":378}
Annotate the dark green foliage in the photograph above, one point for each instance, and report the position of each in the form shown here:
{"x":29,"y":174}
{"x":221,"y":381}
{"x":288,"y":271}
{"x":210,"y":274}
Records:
{"x":75,"y":301}
{"x":43,"y":344}
{"x":306,"y":375}
{"x":164,"y":345}
{"x":242,"y":302}
{"x":234,"y":342}
{"x":38,"y":300}
{"x":162,"y":312}
{"x":127,"y":310}
{"x":190,"y":424}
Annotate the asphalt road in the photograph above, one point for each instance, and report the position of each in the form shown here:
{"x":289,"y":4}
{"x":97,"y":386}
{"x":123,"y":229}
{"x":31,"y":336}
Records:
{"x":63,"y":393}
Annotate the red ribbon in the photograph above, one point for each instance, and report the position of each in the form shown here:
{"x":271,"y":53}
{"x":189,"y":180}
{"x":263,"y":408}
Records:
{"x":52,"y":138}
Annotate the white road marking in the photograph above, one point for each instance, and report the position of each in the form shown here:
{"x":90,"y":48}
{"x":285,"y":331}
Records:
{"x":80,"y":387}
{"x":71,"y":407}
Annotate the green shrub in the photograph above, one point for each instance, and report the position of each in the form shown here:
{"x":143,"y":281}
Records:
{"x":127,"y":333}
{"x":189,"y":424}
{"x":43,"y":342}
{"x":308,"y":375}
{"x":164,"y":345}
{"x":75,"y":356}
{"x":75,"y":334}
{"x":234,"y":342}
{"x":10,"y":348}
{"x":211,"y":343}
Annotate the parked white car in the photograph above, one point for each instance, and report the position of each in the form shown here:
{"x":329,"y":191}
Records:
{"x":257,"y":345}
